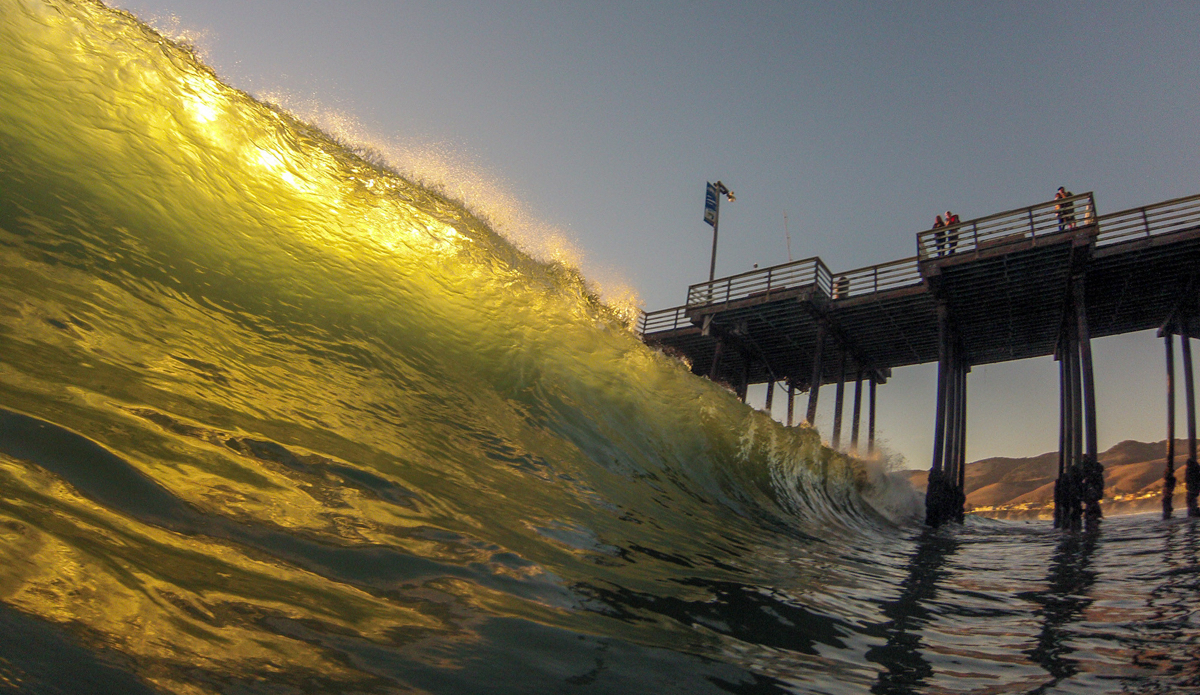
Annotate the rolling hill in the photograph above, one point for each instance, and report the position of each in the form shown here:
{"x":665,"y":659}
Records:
{"x":1023,"y":488}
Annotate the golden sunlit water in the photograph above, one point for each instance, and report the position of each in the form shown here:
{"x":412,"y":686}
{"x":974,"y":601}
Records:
{"x":274,"y":418}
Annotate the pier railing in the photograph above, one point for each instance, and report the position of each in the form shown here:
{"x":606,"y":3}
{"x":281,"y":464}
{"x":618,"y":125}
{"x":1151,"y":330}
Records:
{"x":876,"y":278}
{"x":1153,"y":220}
{"x":1030,"y":223}
{"x":1013,"y":226}
{"x":764,"y":282}
{"x":663,"y":320}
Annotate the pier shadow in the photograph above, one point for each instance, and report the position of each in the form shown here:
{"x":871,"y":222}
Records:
{"x":1061,"y":604}
{"x":907,"y":670}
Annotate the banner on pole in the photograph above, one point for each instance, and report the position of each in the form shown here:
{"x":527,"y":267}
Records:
{"x":710,"y":205}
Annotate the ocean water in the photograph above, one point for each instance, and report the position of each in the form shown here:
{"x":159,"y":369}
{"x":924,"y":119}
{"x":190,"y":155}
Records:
{"x":274,"y":419}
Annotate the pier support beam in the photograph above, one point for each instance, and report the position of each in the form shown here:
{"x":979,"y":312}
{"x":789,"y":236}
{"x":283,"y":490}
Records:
{"x":1168,"y":491}
{"x":1067,"y":513}
{"x":1191,"y":474}
{"x":714,"y":368}
{"x":770,"y":395}
{"x":814,"y":388}
{"x":1064,"y":434}
{"x":1074,"y":485}
{"x":791,"y":400}
{"x":857,"y":414}
{"x":1080,"y":484}
{"x":944,"y":495}
{"x":935,"y":488}
{"x":743,"y":384}
{"x":1092,"y":472}
{"x":871,"y":420}
{"x":838,"y":400}
{"x":960,"y":507}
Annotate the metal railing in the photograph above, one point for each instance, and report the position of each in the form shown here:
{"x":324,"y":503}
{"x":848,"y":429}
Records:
{"x":789,"y":276}
{"x":1145,"y":222}
{"x":1010,"y":227}
{"x":876,"y":278}
{"x":663,"y":320}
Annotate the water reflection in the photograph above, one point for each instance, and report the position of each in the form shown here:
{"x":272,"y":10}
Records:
{"x":907,"y":669}
{"x":1163,"y":645}
{"x":1063,"y":603}
{"x":752,"y":614}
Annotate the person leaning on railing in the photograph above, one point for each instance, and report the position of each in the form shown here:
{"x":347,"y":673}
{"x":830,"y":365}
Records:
{"x":1065,"y":209}
{"x":952,"y":237}
{"x":939,"y":234}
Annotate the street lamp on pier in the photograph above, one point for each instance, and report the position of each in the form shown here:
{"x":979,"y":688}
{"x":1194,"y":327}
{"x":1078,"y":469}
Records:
{"x":712,"y":214}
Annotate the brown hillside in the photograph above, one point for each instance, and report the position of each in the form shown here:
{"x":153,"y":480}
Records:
{"x":1024,"y":487}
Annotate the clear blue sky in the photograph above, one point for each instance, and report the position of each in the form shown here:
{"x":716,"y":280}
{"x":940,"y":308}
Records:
{"x":860,"y":120}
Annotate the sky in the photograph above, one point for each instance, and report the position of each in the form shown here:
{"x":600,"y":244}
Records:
{"x":859,"y":122}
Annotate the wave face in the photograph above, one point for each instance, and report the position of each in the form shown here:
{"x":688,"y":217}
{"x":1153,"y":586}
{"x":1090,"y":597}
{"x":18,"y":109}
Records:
{"x":276,"y":419}
{"x":272,"y":412}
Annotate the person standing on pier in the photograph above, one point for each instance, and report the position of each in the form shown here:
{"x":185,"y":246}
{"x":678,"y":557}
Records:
{"x":939,"y":236}
{"x":1065,"y":210}
{"x":952,"y":237}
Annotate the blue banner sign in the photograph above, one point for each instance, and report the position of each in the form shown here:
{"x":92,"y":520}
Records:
{"x":710,"y":205}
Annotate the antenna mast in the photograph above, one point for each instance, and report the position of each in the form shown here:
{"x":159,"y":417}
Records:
{"x":787,"y":234}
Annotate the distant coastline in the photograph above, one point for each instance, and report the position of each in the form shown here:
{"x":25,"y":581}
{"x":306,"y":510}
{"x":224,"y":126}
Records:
{"x":1023,"y":488}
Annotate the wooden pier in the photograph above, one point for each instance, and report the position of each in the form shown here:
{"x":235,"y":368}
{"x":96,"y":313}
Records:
{"x":1037,"y":281}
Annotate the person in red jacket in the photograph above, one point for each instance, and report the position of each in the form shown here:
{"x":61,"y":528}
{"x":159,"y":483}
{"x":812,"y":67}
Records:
{"x":1065,"y":210}
{"x":952,"y":222}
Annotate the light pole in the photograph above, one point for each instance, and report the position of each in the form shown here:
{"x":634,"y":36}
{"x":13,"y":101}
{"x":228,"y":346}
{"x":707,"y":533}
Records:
{"x":712,"y":214}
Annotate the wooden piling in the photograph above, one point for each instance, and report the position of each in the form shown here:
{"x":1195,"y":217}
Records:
{"x":857,"y":416}
{"x":951,"y":428}
{"x":770,"y":396}
{"x":1064,"y":436}
{"x":1074,"y":517}
{"x":713,"y":369}
{"x":1085,"y":359}
{"x":743,"y":385}
{"x":1091,"y":472}
{"x":814,"y":388}
{"x":960,"y":402}
{"x":962,"y":443}
{"x":1191,"y":473}
{"x":1168,"y":492}
{"x":939,"y":427}
{"x":935,"y":490}
{"x":1077,"y":406}
{"x":1068,"y":396}
{"x":871,"y":418}
{"x":1066,"y":487}
{"x":791,"y":396}
{"x":960,"y":431}
{"x":838,"y":400}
